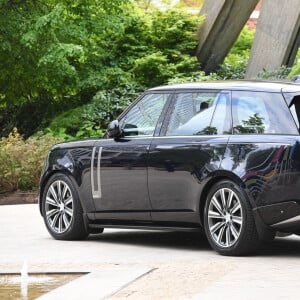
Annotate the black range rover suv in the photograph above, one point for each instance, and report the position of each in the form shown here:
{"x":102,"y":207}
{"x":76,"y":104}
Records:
{"x":221,"y":156}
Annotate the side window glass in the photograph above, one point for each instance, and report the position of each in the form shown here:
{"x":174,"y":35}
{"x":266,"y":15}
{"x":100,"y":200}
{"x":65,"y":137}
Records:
{"x":221,"y":122}
{"x":261,"y":113}
{"x":142,"y":118}
{"x":193,"y":114}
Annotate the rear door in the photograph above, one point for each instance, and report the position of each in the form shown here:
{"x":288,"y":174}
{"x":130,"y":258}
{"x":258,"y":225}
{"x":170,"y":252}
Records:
{"x":190,"y":147}
{"x":264,"y":148}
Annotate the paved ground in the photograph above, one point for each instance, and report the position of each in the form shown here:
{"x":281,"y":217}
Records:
{"x":149,"y":264}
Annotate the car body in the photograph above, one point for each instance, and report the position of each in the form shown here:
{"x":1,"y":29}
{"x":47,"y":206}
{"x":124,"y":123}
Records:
{"x":223,"y":156}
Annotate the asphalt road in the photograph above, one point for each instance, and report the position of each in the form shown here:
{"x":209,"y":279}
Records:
{"x":179,"y":265}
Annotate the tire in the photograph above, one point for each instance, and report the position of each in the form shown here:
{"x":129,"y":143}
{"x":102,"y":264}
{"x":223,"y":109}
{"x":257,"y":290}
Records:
{"x":62,"y":210}
{"x":228,"y":220}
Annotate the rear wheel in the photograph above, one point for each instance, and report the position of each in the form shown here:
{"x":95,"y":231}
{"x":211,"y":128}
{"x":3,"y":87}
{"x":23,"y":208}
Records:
{"x":228,"y":220}
{"x":62,"y":211}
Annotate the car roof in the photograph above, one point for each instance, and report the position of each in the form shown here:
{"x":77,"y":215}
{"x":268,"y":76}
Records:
{"x":241,"y":85}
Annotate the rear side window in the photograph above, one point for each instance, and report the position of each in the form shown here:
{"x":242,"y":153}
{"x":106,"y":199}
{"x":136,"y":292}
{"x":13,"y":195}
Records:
{"x":261,"y":113}
{"x":199,"y":114}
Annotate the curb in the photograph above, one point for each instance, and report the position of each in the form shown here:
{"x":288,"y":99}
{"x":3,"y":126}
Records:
{"x":19,"y":198}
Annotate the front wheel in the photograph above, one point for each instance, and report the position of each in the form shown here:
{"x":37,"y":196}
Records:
{"x":61,"y":208}
{"x":228,"y":220}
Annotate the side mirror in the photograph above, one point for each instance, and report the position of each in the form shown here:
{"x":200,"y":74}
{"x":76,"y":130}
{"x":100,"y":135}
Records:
{"x":113,"y":129}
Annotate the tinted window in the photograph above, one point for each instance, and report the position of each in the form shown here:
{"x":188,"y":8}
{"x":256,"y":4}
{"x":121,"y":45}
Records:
{"x":199,"y":114}
{"x":142,"y":118}
{"x":260,"y":112}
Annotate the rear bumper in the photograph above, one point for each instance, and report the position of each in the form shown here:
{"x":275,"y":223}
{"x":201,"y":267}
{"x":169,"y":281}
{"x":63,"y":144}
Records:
{"x":282,"y":216}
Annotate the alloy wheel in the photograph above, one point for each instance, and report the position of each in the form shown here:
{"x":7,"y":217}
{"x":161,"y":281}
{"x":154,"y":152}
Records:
{"x":59,"y":206}
{"x":225,"y":217}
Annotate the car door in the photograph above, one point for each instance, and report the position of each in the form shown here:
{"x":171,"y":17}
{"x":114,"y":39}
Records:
{"x":190,"y":147}
{"x":119,"y":177}
{"x":263,"y":151}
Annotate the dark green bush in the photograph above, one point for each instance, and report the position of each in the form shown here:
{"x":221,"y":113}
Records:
{"x":67,"y":122}
{"x":91,"y":120}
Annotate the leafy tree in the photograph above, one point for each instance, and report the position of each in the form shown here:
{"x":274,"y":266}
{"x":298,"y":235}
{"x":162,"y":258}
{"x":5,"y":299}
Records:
{"x":48,"y":46}
{"x":48,"y":52}
{"x":65,"y":52}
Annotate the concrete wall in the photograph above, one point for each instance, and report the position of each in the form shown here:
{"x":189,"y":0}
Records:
{"x":277,"y":37}
{"x":224,"y":21}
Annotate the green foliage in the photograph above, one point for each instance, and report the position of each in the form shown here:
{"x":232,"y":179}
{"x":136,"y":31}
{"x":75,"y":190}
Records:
{"x":57,"y":55}
{"x":243,"y":44}
{"x":281,"y":73}
{"x":32,"y":115}
{"x":173,"y":34}
{"x":67,"y":122}
{"x":296,"y":68}
{"x":107,"y":105}
{"x":152,"y":69}
{"x":88,"y":129}
{"x":196,"y":77}
{"x":155,"y":48}
{"x":89,"y":120}
{"x":21,"y":161}
{"x":47,"y":52}
{"x":184,"y":4}
{"x":235,"y":69}
{"x":294,"y":71}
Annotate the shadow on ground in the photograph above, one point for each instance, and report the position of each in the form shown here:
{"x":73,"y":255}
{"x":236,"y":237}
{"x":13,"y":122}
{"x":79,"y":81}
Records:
{"x":288,"y":246}
{"x":164,"y":239}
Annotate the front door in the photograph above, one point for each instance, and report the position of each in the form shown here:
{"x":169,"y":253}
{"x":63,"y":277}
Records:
{"x":119,"y":178}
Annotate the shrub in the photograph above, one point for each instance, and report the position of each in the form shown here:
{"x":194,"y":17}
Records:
{"x":243,"y":44}
{"x":281,"y":73}
{"x":21,"y":161}
{"x":234,"y":67}
{"x":66,"y":123}
{"x":89,"y":120}
{"x":195,"y":77}
{"x":296,"y":68}
{"x":295,"y":71}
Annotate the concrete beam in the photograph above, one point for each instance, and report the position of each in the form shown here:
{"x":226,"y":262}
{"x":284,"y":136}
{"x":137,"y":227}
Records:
{"x":224,"y":21}
{"x":277,"y":37}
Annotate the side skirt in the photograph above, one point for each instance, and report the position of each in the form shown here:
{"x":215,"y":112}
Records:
{"x":146,"y":227}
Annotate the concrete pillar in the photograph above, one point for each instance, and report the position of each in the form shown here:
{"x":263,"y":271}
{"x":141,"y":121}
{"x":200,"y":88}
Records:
{"x":224,"y":21}
{"x":277,"y":37}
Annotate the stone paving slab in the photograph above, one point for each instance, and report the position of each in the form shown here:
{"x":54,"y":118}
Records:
{"x":254,"y":283}
{"x":183,"y":264}
{"x":97,"y":285}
